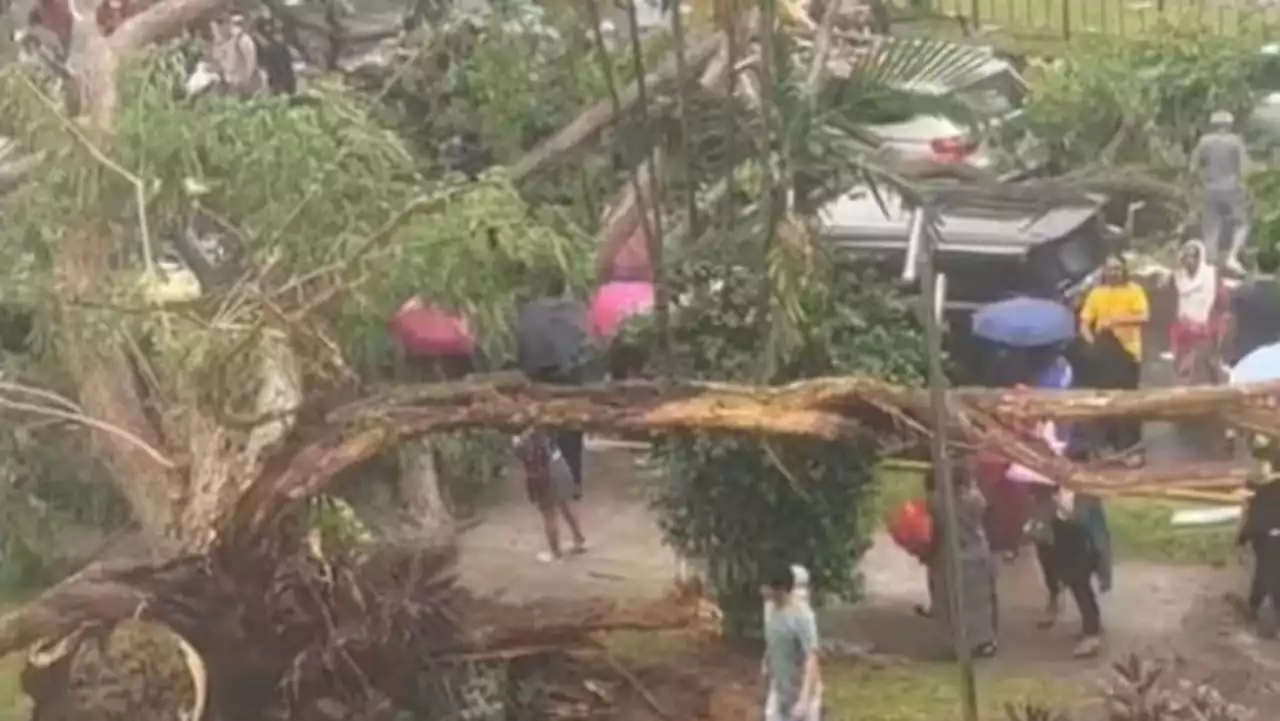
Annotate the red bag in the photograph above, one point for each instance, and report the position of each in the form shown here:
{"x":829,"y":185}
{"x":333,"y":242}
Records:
{"x":911,"y":527}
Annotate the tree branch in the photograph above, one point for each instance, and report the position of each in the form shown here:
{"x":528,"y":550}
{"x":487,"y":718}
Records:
{"x":161,"y":21}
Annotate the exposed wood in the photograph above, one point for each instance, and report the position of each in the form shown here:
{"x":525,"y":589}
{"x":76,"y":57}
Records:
{"x":595,"y":119}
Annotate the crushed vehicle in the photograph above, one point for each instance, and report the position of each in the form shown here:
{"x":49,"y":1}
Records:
{"x":989,"y":251}
{"x":994,"y":139}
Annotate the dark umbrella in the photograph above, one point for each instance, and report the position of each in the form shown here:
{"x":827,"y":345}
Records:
{"x":1025,"y":322}
{"x":551,"y":338}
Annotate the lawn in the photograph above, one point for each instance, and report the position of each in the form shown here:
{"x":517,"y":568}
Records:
{"x":860,"y":692}
{"x":1140,"y":529}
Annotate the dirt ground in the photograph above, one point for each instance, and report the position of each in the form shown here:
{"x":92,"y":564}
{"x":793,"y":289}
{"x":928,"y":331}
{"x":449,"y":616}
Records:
{"x":1176,"y":614}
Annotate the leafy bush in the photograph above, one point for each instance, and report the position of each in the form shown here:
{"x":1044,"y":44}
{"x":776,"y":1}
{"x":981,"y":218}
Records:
{"x":740,"y":503}
{"x":1159,"y":87}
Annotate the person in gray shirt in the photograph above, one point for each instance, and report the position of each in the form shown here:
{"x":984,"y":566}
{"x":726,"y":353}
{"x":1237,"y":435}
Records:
{"x":1218,"y":165}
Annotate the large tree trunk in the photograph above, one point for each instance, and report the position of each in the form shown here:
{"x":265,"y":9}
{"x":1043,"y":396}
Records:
{"x":176,"y":507}
{"x":419,"y":485}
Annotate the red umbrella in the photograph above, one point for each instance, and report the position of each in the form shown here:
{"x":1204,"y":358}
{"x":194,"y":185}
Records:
{"x":617,"y":301}
{"x":429,"y":330}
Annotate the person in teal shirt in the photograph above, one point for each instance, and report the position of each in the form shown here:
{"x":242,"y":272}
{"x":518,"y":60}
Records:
{"x":791,"y":651}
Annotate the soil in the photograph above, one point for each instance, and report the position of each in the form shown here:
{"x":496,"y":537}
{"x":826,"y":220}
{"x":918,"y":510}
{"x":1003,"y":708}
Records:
{"x":1174,"y":614}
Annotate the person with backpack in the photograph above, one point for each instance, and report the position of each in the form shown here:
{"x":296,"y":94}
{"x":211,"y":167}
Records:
{"x":549,"y":486}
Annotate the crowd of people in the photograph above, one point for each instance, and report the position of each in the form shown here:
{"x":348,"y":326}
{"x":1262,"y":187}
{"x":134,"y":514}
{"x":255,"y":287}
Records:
{"x":1221,"y":313}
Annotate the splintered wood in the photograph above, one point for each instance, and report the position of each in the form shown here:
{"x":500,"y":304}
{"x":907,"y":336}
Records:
{"x":830,"y":409}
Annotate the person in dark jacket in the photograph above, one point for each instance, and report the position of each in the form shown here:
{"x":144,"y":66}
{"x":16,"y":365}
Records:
{"x":1074,"y":545}
{"x":1255,"y":309}
{"x":552,"y":347}
{"x":1261,"y":532}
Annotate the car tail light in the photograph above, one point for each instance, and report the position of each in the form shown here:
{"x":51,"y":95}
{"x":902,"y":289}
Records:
{"x":953,"y":149}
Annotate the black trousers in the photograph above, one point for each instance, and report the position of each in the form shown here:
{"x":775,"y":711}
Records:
{"x":1124,"y":373}
{"x":1074,"y":568}
{"x":1266,"y":574}
{"x":569,"y":441}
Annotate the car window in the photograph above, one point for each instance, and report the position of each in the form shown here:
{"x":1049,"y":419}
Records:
{"x":994,"y":95}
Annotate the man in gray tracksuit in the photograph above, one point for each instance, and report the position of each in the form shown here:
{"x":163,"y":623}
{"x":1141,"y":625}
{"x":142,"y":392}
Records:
{"x":1219,"y":163}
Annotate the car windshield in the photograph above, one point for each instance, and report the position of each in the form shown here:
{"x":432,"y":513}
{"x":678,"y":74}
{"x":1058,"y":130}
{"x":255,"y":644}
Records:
{"x":994,"y":95}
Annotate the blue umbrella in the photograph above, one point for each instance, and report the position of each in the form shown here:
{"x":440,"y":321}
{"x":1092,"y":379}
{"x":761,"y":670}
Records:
{"x":1262,"y":365}
{"x":1025,"y":322}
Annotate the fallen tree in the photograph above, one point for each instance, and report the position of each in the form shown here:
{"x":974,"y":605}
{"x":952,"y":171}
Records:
{"x":349,"y":618}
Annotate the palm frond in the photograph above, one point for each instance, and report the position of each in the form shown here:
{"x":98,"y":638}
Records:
{"x":920,"y":64}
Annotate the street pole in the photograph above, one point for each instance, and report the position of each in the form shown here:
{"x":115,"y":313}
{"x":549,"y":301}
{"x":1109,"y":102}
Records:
{"x":921,"y":251}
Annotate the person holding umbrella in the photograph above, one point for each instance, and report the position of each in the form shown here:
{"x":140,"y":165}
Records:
{"x":438,"y":345}
{"x":1027,"y":333}
{"x":552,"y":347}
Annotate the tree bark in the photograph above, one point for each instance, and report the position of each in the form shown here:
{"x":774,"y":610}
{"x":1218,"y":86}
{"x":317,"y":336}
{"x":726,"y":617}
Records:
{"x":96,"y":357}
{"x":419,"y":486}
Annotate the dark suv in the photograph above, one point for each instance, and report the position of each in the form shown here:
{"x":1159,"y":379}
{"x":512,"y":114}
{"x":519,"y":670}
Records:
{"x":989,"y":251}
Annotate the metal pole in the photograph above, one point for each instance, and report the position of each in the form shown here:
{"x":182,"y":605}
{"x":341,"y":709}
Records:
{"x":933,"y":296}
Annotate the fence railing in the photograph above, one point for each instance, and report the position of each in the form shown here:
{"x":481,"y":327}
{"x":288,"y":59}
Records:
{"x":1063,"y":19}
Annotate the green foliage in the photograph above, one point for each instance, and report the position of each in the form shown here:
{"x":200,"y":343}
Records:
{"x":297,"y":188}
{"x":334,"y":524}
{"x":472,"y":467}
{"x":741,"y":503}
{"x":1264,"y":187}
{"x":1160,"y":88}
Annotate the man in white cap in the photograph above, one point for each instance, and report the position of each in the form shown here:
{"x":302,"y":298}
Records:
{"x":1218,"y":164}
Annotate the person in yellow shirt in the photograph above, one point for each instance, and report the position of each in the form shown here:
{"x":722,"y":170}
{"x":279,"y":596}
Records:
{"x":1111,"y":322}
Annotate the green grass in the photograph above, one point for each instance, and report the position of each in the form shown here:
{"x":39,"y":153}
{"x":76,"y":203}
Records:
{"x":1140,"y":529}
{"x":859,"y":692}
{"x":929,"y":692}
{"x":14,"y":704}
{"x":1064,"y":18}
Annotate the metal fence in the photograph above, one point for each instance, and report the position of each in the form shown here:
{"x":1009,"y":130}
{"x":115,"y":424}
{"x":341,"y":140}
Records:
{"x":1063,"y":19}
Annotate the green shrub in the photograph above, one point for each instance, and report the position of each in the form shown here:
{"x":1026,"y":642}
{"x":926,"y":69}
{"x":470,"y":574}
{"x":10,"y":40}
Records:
{"x":738,"y":503}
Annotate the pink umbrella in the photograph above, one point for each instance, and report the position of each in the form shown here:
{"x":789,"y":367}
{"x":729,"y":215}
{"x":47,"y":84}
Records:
{"x":617,"y":301}
{"x":429,"y":330}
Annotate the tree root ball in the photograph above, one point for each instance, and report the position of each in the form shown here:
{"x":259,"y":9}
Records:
{"x":136,"y":672}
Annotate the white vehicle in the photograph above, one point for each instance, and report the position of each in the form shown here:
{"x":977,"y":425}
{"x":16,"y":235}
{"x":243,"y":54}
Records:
{"x":995,"y":94}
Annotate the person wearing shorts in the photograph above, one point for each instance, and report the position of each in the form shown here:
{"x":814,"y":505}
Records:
{"x":550,"y":486}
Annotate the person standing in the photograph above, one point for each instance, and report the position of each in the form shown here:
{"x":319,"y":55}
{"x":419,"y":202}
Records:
{"x":977,"y":581}
{"x":799,"y":595}
{"x":550,"y":488}
{"x":552,"y":346}
{"x":275,"y":57}
{"x":1261,"y":532}
{"x":1255,"y":309}
{"x":1078,"y":549}
{"x":1111,"y":322}
{"x":1194,"y":338}
{"x":235,"y":57}
{"x":791,"y":667}
{"x":1219,"y":163}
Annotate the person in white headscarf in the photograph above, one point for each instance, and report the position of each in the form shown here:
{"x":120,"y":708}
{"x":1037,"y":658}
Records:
{"x":1218,"y":164}
{"x":1195,"y":333}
